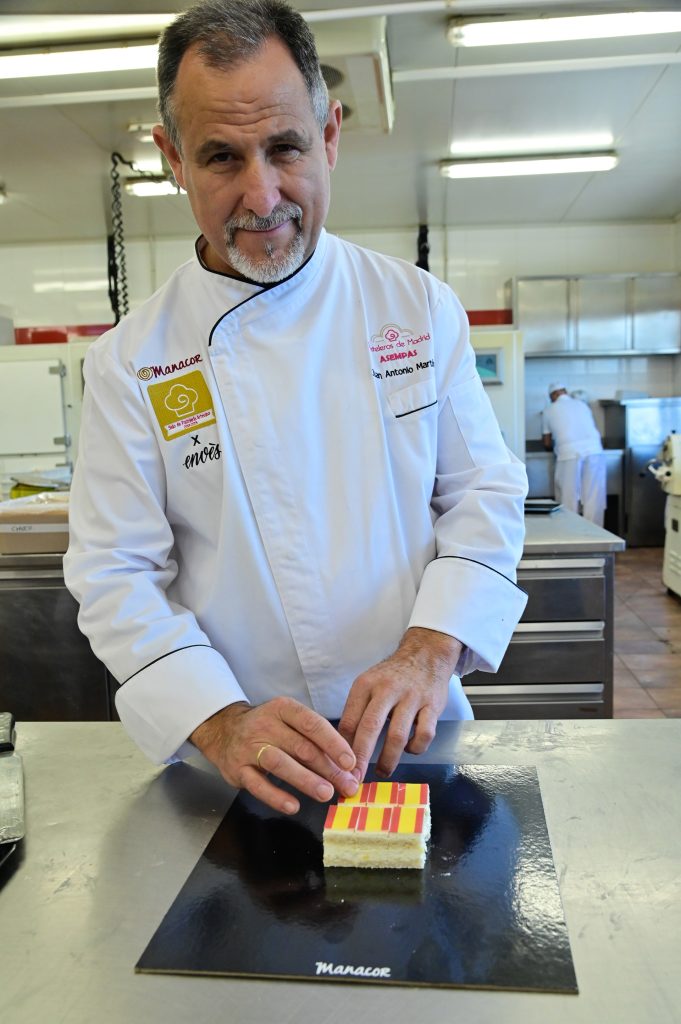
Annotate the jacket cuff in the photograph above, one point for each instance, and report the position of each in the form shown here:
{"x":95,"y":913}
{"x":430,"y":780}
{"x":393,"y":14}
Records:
{"x":162,"y":704}
{"x":473,"y":603}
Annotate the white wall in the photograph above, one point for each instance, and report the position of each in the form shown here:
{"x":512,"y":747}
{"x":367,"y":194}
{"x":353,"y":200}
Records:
{"x":599,"y":377}
{"x":66,"y":283}
{"x":508,"y":396}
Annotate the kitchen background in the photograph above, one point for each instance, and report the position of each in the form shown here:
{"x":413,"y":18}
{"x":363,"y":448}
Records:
{"x":413,"y":104}
{"x":412,"y":101}
{"x":65,"y":283}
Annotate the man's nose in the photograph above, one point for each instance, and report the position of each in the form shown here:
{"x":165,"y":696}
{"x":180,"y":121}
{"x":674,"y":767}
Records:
{"x":261,"y":188}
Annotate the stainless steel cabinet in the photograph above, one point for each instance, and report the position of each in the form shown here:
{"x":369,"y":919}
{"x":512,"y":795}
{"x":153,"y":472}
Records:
{"x":656,"y":312}
{"x":598,"y":314}
{"x":541,"y":310}
{"x":559,"y":661}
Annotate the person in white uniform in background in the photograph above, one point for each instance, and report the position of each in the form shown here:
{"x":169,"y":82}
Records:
{"x":292,"y":503}
{"x":568,"y":427}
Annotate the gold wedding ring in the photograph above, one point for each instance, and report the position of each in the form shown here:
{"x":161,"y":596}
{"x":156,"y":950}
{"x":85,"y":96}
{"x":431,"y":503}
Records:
{"x":260,"y":753}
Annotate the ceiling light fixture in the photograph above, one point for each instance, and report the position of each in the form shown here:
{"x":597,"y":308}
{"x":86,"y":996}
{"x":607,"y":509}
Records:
{"x":528,"y":145}
{"x":500,"y":32}
{"x":76,"y":62}
{"x":501,"y":167}
{"x":152,"y":185}
{"x":42,"y":29}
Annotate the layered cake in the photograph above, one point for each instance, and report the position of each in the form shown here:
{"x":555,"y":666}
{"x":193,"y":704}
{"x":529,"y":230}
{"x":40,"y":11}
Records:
{"x":383,"y":825}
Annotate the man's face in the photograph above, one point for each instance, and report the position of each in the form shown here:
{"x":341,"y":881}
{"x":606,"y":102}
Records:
{"x":254,"y":163}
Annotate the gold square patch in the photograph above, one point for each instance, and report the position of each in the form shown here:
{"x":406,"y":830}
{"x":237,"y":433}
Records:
{"x":182,"y":404}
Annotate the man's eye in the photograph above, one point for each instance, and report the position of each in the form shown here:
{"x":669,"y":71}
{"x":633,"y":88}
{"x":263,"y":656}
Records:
{"x":221,"y":158}
{"x":286,"y":149}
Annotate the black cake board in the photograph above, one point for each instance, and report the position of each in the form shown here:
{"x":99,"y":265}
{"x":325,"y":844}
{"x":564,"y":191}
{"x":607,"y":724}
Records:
{"x":485,"y":911}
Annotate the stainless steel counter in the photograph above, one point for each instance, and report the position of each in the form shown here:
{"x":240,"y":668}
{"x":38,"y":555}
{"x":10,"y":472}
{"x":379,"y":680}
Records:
{"x":563,"y":532}
{"x":111,"y":839}
{"x":31,"y":562}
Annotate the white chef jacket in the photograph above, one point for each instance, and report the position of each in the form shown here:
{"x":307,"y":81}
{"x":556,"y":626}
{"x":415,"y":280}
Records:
{"x":571,"y":424}
{"x":274,"y":483}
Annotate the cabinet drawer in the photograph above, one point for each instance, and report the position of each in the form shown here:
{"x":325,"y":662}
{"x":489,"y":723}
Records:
{"x":542,"y":706}
{"x":552,"y":659}
{"x":563,"y":589}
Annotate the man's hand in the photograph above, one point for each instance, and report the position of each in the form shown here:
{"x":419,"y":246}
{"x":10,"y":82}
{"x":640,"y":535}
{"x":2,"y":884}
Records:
{"x":283,"y":738}
{"x":410,"y":687}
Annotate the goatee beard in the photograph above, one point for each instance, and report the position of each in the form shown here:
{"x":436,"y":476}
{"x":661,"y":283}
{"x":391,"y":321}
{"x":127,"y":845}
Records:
{"x":274,"y":265}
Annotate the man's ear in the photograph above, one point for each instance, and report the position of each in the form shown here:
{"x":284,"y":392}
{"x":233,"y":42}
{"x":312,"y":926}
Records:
{"x":332,"y":132}
{"x":170,"y":152}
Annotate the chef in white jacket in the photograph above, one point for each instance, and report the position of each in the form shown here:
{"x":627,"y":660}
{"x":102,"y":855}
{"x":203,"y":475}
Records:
{"x":568,"y":427}
{"x":292,"y":503}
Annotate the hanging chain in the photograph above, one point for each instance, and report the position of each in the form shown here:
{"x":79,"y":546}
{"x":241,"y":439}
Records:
{"x":118,"y":276}
{"x":423,"y":247}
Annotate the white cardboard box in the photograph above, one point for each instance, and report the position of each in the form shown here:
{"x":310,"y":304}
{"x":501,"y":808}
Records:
{"x":37,"y":524}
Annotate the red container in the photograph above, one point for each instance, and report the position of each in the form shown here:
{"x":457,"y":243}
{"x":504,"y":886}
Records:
{"x":39,"y":335}
{"x":45,"y":335}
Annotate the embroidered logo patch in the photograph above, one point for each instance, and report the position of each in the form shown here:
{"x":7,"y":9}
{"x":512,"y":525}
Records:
{"x":393,"y":338}
{"x":182,"y":404}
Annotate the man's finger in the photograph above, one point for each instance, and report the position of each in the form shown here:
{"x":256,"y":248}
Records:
{"x":396,"y":740}
{"x":259,"y":786}
{"x":368,"y":731}
{"x":317,"y":729}
{"x":424,"y":731}
{"x":286,"y":768}
{"x":291,"y":747}
{"x":355,"y":706}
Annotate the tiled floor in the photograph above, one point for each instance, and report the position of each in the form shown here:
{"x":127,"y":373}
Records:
{"x":647,"y":666}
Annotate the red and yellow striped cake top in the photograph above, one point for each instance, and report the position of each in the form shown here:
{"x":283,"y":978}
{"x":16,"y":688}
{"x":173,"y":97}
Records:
{"x":396,"y":807}
{"x":386,"y":794}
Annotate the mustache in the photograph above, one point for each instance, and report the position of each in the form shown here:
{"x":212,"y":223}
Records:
{"x":251,"y":221}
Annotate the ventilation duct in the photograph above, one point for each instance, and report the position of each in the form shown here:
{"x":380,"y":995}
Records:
{"x":354,"y":58}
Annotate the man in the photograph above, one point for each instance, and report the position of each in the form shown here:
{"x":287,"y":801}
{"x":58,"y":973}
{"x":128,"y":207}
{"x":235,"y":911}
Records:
{"x":568,"y":427}
{"x":292,"y":502}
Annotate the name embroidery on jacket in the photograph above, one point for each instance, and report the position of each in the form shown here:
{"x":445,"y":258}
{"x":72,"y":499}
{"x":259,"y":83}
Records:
{"x":147,"y":372}
{"x":391,"y":337}
{"x":397,"y":343}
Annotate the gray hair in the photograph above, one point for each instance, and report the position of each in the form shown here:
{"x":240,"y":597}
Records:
{"x":229,"y":32}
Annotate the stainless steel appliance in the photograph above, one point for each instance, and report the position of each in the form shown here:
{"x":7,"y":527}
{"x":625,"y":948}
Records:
{"x":640,"y":425}
{"x":667,"y":471}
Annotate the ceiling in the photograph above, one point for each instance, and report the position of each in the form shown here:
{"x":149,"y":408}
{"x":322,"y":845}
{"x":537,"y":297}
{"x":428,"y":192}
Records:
{"x":55,"y":158}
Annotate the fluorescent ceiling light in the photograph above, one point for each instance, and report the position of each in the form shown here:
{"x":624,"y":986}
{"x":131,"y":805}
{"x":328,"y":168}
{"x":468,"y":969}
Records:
{"x":76,"y":62}
{"x":500,"y":32}
{"x":587,"y":142}
{"x":39,"y":29}
{"x":98,"y":285}
{"x":547,"y":164}
{"x":152,"y":187}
